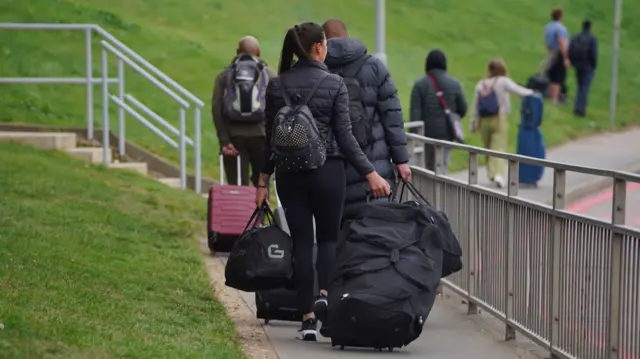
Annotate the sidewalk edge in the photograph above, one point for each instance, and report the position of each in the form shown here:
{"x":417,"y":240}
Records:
{"x":255,"y":341}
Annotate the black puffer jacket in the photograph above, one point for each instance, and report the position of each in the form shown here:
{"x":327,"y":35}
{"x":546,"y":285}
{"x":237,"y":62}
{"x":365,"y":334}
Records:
{"x":380,"y":97}
{"x":330,"y":108}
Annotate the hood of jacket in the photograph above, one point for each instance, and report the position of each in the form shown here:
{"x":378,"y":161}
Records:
{"x":341,"y":51}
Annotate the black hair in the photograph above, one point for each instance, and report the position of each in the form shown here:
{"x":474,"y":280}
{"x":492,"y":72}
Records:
{"x":298,"y":41}
{"x":586,"y":25}
{"x":436,"y":60}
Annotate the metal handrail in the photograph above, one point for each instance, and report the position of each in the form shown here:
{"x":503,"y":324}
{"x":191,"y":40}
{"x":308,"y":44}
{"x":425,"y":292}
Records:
{"x":620,"y":175}
{"x":145,"y":74}
{"x":129,"y":57}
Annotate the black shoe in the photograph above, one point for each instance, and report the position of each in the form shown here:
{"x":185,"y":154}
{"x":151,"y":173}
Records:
{"x":308,"y":330}
{"x":320,"y":308}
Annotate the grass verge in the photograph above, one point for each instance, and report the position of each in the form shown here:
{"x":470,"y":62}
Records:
{"x":97,"y":263}
{"x":191,"y":41}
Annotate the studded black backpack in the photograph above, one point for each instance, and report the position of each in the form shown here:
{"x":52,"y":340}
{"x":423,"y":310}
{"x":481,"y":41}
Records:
{"x":296,"y":142}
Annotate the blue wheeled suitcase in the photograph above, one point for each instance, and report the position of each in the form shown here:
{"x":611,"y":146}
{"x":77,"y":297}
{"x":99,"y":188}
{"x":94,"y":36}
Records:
{"x":530,"y":140}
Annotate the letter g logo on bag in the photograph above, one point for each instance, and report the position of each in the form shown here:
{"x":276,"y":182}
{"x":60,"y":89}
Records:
{"x":274,"y":252}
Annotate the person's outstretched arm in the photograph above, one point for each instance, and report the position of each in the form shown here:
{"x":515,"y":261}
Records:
{"x":390,"y":112}
{"x":341,"y":124}
{"x":514,"y":88}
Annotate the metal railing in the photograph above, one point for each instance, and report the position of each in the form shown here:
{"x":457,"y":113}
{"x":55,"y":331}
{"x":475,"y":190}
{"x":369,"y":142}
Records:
{"x":568,"y":282}
{"x":126,"y":102}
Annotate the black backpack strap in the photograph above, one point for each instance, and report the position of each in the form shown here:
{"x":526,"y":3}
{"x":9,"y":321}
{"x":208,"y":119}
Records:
{"x":355,"y":67}
{"x":315,"y":88}
{"x":284,"y":94}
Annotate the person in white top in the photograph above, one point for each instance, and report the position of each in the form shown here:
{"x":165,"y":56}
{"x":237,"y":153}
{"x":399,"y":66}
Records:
{"x":490,"y":114}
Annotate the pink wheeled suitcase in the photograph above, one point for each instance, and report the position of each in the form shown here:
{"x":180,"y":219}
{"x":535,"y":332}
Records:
{"x":229,"y":208}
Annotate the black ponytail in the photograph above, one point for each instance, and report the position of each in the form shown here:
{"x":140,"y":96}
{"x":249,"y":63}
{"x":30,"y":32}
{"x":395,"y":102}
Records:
{"x":298,"y":41}
{"x":286,"y":56}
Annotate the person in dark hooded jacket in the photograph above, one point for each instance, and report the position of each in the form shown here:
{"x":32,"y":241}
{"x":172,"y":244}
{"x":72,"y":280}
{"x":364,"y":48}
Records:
{"x":387,"y":147}
{"x":426,"y":107}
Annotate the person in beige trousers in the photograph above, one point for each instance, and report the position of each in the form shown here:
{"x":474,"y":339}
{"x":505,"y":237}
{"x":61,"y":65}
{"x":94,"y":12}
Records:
{"x":495,"y":129}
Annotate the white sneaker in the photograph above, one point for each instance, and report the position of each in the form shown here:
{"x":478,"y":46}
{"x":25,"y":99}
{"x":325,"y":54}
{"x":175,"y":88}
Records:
{"x":499,"y":181}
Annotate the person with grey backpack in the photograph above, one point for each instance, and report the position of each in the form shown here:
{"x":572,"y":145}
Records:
{"x":238,"y":111}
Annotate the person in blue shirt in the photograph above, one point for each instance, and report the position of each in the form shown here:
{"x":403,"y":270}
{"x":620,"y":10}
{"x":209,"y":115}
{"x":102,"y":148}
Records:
{"x":557,"y":61}
{"x":583,"y":53}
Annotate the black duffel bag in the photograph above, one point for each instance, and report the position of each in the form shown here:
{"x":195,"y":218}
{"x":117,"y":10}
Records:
{"x":451,"y":249}
{"x":389,"y":260}
{"x":262,"y":258}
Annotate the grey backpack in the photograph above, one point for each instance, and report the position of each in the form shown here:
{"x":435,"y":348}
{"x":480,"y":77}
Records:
{"x":296,"y":142}
{"x":244,"y":96}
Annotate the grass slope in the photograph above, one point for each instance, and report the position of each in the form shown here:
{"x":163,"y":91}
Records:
{"x":192,"y":40}
{"x":101,"y":264}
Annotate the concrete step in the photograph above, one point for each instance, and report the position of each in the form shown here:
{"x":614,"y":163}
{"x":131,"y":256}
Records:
{"x":170,"y":181}
{"x":45,"y":140}
{"x":140,"y":167}
{"x":89,"y":154}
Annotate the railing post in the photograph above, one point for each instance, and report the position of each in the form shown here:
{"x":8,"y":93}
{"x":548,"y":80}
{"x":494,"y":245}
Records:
{"x":512,"y":191}
{"x":198,"y":150}
{"x":121,"y":125}
{"x":559,"y":187}
{"x":89,"y":76}
{"x":617,"y":218}
{"x":439,"y":171}
{"x":472,"y":216}
{"x":183,"y":150}
{"x":105,"y":109}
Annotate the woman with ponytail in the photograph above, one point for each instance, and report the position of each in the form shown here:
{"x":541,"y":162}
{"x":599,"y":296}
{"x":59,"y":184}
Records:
{"x":318,"y":193}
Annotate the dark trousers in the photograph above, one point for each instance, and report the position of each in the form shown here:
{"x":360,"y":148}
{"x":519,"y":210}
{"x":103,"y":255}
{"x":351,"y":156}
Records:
{"x":307,"y":195}
{"x":584,"y":76}
{"x":251,"y":154}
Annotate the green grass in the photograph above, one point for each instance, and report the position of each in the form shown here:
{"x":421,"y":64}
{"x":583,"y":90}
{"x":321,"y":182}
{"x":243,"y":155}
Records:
{"x":192,"y":40}
{"x":101,"y":264}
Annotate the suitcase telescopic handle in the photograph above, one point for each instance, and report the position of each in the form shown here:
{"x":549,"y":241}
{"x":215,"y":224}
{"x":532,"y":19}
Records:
{"x":238,"y":169}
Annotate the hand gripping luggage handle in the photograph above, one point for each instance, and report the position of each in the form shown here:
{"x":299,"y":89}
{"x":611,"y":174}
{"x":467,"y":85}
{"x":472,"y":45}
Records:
{"x":369,"y":195}
{"x":239,"y":170}
{"x":253,"y":221}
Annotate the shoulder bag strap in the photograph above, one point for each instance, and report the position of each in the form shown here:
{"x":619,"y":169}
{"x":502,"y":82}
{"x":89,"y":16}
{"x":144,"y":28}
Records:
{"x":439,"y":94}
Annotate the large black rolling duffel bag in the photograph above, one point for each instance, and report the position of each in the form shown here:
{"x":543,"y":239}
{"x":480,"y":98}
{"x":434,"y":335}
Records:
{"x":389,"y":264}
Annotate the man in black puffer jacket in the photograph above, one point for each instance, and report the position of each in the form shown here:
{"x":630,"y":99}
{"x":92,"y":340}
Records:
{"x":387,"y":146}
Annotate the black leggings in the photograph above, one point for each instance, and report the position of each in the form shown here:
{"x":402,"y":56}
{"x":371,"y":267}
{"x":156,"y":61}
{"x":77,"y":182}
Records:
{"x":304,"y":195}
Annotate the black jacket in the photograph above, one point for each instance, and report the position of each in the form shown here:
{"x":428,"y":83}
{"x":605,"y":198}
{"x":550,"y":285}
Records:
{"x":380,"y":96}
{"x":330,"y":108}
{"x":426,"y":107}
{"x":591,"y":60}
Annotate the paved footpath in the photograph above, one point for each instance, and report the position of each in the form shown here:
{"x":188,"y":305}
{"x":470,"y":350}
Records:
{"x":448,"y":334}
{"x":617,"y":151}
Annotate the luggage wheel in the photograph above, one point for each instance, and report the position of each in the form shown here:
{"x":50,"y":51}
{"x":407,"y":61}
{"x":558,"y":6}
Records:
{"x":266,"y":322}
{"x":391,"y":349}
{"x":342,"y":347}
